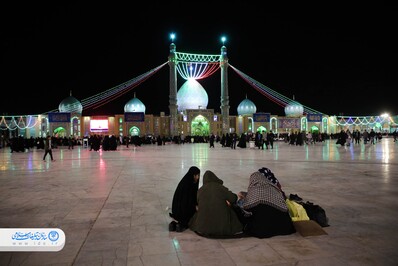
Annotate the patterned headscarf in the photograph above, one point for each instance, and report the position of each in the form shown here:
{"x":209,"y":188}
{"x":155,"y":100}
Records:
{"x":271,"y":177}
{"x":268,"y":174}
{"x":262,"y":190}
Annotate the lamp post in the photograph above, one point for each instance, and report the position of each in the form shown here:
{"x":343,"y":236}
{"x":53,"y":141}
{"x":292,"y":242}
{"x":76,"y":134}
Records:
{"x":172,"y":37}
{"x":223,"y":39}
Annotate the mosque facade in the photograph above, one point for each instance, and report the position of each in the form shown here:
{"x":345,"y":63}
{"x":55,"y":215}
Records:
{"x":191,"y":120}
{"x":188,"y":115}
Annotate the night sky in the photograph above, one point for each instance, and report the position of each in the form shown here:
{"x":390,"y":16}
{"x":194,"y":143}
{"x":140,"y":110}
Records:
{"x":339,"y":60}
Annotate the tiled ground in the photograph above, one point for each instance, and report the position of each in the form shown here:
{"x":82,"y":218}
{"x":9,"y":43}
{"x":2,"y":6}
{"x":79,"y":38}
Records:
{"x":112,"y":205}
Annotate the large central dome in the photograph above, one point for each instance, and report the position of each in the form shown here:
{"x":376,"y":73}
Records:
{"x":192,"y":96}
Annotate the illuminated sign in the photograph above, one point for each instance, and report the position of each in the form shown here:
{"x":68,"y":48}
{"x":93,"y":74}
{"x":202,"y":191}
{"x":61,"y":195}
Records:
{"x":314,"y":117}
{"x":289,"y":122}
{"x":261,"y":117}
{"x":134,"y":117}
{"x":58,"y":117}
{"x":99,"y":125}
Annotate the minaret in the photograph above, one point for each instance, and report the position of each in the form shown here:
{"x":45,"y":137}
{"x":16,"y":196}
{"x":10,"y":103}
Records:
{"x":224,"y":90}
{"x":173,"y":91}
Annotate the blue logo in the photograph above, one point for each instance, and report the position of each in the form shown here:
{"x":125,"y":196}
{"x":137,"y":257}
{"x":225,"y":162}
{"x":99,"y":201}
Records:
{"x":53,"y":235}
{"x":29,"y":235}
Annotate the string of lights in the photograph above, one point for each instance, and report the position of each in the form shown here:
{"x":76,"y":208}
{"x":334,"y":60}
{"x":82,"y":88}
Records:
{"x":271,"y":94}
{"x":196,"y":70}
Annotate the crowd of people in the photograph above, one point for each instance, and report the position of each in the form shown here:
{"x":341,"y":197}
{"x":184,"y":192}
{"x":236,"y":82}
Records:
{"x":261,"y":140}
{"x":214,"y":211}
{"x":346,"y":137}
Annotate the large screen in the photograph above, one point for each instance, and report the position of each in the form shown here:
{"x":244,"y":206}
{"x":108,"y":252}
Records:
{"x":99,"y":125}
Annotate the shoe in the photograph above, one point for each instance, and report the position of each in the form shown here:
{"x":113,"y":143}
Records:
{"x":172,"y":226}
{"x":180,"y":228}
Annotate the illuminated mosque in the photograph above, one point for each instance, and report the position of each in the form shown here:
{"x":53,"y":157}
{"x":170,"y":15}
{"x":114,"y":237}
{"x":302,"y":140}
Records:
{"x":188,"y":112}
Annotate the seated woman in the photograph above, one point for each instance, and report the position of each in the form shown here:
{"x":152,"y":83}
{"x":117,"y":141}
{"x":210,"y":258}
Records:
{"x":266,"y":201}
{"x":185,"y":200}
{"x":215,"y":217}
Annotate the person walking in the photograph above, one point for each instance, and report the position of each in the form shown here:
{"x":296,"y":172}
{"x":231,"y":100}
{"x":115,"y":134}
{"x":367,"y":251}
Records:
{"x":212,"y":138}
{"x":270,"y":139}
{"x":372,"y":136}
{"x":234,"y":139}
{"x":48,"y":148}
{"x":70,"y":142}
{"x":357,"y":136}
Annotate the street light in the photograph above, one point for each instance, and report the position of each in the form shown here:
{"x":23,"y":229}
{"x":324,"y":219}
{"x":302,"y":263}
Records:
{"x":172,"y":37}
{"x":223,"y":39}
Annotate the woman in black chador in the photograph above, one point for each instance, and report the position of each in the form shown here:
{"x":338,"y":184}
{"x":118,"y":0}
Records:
{"x":242,"y":141}
{"x":184,"y":200}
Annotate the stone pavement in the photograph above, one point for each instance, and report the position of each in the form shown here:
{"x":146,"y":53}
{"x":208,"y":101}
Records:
{"x":112,"y":205}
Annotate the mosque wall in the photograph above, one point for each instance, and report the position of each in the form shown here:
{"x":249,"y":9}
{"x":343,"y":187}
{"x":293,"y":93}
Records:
{"x":183,"y":125}
{"x":149,"y":124}
{"x":217,"y":125}
{"x":160,"y":125}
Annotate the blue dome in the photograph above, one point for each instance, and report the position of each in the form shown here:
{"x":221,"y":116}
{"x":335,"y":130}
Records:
{"x":246,"y":107}
{"x":70,"y":105}
{"x":134,"y":106}
{"x":294,"y":109}
{"x":192,"y":96}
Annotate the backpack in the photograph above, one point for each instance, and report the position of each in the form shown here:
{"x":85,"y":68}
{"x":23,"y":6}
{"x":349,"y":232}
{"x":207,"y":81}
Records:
{"x":316,"y":213}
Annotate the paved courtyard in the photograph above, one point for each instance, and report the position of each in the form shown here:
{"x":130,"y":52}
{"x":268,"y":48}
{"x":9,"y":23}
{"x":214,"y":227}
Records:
{"x":112,"y":205}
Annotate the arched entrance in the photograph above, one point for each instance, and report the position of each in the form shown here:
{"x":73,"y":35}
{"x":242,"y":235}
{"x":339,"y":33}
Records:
{"x":60,"y":132}
{"x":200,"y":126}
{"x":75,"y":129}
{"x":261,"y":129}
{"x":134,"y":131}
{"x":314,"y":129}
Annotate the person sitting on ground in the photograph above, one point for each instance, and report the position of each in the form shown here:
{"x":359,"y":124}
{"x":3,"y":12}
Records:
{"x":266,"y":201}
{"x":185,"y":200}
{"x":215,"y":217}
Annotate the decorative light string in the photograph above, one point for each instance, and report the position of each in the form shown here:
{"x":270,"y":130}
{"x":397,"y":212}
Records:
{"x":363,"y":120}
{"x":185,"y":57}
{"x":21,"y":124}
{"x":195,"y":66}
{"x":115,"y":92}
{"x":197,"y":70}
{"x":271,"y":94}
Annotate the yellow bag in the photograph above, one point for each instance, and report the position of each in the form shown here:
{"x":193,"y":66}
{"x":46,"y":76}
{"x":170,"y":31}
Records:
{"x":296,"y":211}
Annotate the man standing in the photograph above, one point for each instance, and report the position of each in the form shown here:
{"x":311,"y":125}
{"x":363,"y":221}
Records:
{"x":270,"y":139}
{"x":48,"y":148}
